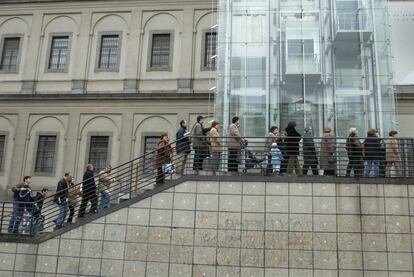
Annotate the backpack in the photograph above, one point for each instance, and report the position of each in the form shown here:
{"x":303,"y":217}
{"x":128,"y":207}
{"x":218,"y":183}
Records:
{"x":24,"y":196}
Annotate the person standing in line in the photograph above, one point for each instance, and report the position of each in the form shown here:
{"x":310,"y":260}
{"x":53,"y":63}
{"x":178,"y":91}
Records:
{"x":292,"y":144}
{"x":270,"y":139}
{"x":18,"y":204}
{"x":281,"y":143}
{"x":38,"y":218}
{"x":163,"y":157}
{"x":183,"y":147}
{"x":382,"y":163}
{"x":200,"y":143}
{"x":104,"y":185}
{"x":72,"y":200}
{"x":61,"y":199}
{"x":234,"y":145}
{"x":372,"y":149}
{"x":88,"y":191}
{"x":393,"y":156}
{"x":216,"y":147}
{"x":277,"y":158}
{"x":354,"y":151}
{"x":310,"y":159}
{"x":328,"y":148}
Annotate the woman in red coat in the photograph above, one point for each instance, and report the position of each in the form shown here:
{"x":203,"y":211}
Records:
{"x":163,"y":156}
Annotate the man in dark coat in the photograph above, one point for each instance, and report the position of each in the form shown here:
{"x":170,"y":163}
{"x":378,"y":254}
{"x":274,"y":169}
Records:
{"x":292,"y":148}
{"x":61,"y":198}
{"x":200,"y":143}
{"x":309,"y":153}
{"x":182,"y":147}
{"x":373,"y":153}
{"x":88,"y":191}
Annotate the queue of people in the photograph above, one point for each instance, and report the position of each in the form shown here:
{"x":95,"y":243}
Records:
{"x":372,"y":157}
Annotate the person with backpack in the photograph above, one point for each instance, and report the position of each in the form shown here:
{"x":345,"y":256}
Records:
{"x":21,"y":198}
{"x":37,"y":218}
{"x":183,"y":147}
{"x":200,"y":143}
{"x":61,"y":199}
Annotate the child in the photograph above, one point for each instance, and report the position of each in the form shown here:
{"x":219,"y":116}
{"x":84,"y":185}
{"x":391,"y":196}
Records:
{"x":277,"y":158}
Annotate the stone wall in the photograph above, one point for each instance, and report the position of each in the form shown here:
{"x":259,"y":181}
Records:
{"x":237,"y":229}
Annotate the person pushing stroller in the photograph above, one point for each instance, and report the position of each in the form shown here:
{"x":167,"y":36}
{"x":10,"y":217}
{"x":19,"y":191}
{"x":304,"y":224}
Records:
{"x":277,"y":158}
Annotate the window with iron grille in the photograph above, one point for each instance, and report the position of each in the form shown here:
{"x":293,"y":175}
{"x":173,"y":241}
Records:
{"x":150,"y":144}
{"x":10,"y":54}
{"x":109,"y":50}
{"x":45,"y":154}
{"x":98,"y":152}
{"x":160,"y":51}
{"x":58,"y":52}
{"x":2,"y":145}
{"x":210,"y":45}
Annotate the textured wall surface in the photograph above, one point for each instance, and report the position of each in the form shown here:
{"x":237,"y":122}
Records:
{"x":238,"y":229}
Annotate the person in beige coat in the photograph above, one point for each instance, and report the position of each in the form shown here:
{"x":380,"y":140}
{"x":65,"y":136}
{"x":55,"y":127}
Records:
{"x":105,"y":182}
{"x":216,"y":146}
{"x":234,"y":144}
{"x":392,"y":155}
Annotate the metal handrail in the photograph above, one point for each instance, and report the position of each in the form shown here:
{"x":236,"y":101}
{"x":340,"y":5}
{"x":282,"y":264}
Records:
{"x":300,"y":157}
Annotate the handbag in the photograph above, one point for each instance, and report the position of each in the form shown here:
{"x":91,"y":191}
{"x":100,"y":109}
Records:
{"x":168,"y":168}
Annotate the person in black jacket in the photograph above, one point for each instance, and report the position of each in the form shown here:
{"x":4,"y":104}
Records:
{"x":38,"y":218}
{"x":372,"y":148}
{"x":183,"y":147}
{"x":61,"y":198}
{"x":88,"y":191}
{"x":309,"y":153}
{"x":292,"y":148}
{"x":354,"y":151}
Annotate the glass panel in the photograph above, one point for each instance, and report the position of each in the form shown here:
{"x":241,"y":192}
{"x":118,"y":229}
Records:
{"x":98,"y":152}
{"x":45,"y":154}
{"x":10,"y":54}
{"x":58,"y":52}
{"x":109,"y":52}
{"x":319,"y":63}
{"x":160,"y":54}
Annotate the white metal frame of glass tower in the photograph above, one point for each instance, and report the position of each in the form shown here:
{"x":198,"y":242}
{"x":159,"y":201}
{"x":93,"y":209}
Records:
{"x":320,"y":63}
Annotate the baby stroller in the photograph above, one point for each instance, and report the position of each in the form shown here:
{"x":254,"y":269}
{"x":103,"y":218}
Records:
{"x":251,"y":161}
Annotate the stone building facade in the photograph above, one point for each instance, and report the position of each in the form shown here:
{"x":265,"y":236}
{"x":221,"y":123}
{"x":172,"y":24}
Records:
{"x":98,"y":81}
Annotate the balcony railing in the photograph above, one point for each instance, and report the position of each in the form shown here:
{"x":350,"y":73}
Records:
{"x":295,"y":156}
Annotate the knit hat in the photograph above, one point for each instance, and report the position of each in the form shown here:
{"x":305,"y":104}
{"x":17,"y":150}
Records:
{"x":274,"y":145}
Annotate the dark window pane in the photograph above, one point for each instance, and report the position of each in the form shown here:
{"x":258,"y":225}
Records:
{"x":160,"y":52}
{"x":108,"y":57}
{"x":149,"y":146}
{"x":58,"y":52}
{"x":45,"y":154}
{"x":2,"y":144}
{"x":210,"y":50}
{"x":98,"y":152}
{"x":10,"y":53}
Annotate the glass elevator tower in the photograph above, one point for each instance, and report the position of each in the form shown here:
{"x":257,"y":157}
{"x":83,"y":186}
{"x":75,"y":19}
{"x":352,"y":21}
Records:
{"x":317,"y":62}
